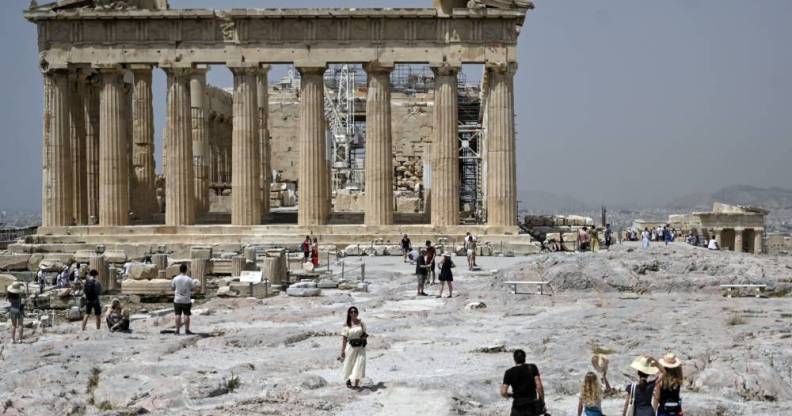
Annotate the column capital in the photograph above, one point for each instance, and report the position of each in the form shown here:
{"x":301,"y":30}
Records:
{"x":311,"y":69}
{"x":108,"y":69}
{"x":179,"y":72}
{"x":445,"y":69}
{"x":244,"y":68}
{"x":378,"y":67}
{"x":140,"y":68}
{"x":505,"y":68}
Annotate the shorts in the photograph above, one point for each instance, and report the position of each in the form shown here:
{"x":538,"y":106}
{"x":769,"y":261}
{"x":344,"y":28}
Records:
{"x":182,"y":309}
{"x":470,"y":252}
{"x":421,"y":278}
{"x":16,"y":314}
{"x":96,"y":307}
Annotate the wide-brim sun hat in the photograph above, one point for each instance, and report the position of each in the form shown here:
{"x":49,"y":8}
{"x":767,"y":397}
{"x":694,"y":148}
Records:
{"x":446,"y":254}
{"x":670,"y":361}
{"x":16,"y":288}
{"x":642,"y":364}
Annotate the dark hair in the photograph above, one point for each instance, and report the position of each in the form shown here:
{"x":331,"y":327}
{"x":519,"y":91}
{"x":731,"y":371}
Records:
{"x":316,"y":240}
{"x":183,"y":268}
{"x":93,"y":273}
{"x":428,"y":243}
{"x":642,"y":378}
{"x":349,"y":315}
{"x":519,"y":356}
{"x":307,"y":237}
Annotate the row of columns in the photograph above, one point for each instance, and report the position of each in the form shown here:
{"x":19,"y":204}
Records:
{"x":739,"y":237}
{"x":71,"y":139}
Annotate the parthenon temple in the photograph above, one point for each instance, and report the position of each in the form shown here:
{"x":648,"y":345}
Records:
{"x":97,"y":59}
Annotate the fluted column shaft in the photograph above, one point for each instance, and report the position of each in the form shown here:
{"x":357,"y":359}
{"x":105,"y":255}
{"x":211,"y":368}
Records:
{"x":719,"y":237}
{"x":113,"y":151}
{"x":57,"y":204}
{"x":379,"y":148}
{"x":179,"y":189}
{"x":738,"y":240}
{"x":200,"y":140}
{"x":313,"y":175}
{"x":144,"y":202}
{"x":245,"y":152}
{"x":501,"y":156}
{"x":758,"y":241}
{"x":445,"y":149}
{"x":79,"y":193}
{"x":91,"y":113}
{"x":264,"y":146}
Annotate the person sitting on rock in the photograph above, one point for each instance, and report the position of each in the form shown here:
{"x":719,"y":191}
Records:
{"x":117,"y":318}
{"x":713,"y":244}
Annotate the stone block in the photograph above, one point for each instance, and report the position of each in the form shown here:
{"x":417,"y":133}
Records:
{"x":14,"y":262}
{"x":393,"y":250}
{"x":303,"y":292}
{"x":5,"y":281}
{"x":201,"y":253}
{"x":51,"y":265}
{"x":260,"y":291}
{"x":115,"y":256}
{"x":35,"y":260}
{"x":83,"y":256}
{"x":226,"y":292}
{"x":353,"y":250}
{"x":327,"y":284}
{"x":141,"y":271}
{"x":152,"y":287}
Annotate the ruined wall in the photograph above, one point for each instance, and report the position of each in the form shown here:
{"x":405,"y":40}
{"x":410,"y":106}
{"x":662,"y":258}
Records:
{"x":284,"y":113}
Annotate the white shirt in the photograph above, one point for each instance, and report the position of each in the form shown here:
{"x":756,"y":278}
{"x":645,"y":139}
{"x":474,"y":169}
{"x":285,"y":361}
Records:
{"x":713,"y":244}
{"x":182,"y":288}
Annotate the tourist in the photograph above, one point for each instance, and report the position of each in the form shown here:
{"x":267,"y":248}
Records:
{"x":431,"y":257}
{"x":117,"y":318}
{"x":608,"y":236}
{"x":526,"y":387}
{"x":713,"y":244}
{"x":406,"y":247}
{"x":640,"y":394}
{"x":315,"y":252}
{"x":91,"y":291}
{"x":590,"y":402}
{"x":421,"y":270}
{"x":594,"y":238}
{"x":306,"y":249}
{"x":446,"y":264}
{"x":182,"y":298}
{"x":413,"y":256}
{"x":667,"y":236}
{"x":353,"y":348}
{"x":470,"y":250}
{"x":645,"y":238}
{"x":583,"y":239}
{"x":41,"y":279}
{"x":16,"y":311}
{"x":667,"y":397}
{"x":63,"y":278}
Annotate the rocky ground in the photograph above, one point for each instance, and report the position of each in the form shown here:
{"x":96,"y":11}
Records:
{"x":433,"y":356}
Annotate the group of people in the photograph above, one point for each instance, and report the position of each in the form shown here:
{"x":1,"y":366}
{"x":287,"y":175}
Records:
{"x":588,"y":238}
{"x":426,"y":264}
{"x":664,"y":233}
{"x":310,"y":249}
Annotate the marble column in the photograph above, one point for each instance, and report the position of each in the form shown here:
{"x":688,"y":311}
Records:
{"x":313,"y":198}
{"x":445,"y":148}
{"x":501,"y":160}
{"x":245,"y":152}
{"x":57,"y":205}
{"x":128,"y":97}
{"x":144,"y":202}
{"x":200,"y":140}
{"x":379,"y":147}
{"x":719,"y":237}
{"x":91,"y":113}
{"x":212,"y":118}
{"x":179,"y":189}
{"x":77,"y":138}
{"x":758,"y":241}
{"x":262,"y":95}
{"x":113,"y":150}
{"x":738,"y":240}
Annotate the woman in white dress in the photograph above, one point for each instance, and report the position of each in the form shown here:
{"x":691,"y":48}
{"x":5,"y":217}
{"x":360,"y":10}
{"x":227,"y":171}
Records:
{"x":353,"y":349}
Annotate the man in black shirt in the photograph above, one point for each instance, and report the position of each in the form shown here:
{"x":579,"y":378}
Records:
{"x":91,"y":290}
{"x":526,"y":386}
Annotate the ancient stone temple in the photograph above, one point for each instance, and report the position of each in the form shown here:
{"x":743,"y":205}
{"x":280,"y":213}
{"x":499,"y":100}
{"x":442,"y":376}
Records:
{"x":97,"y":59}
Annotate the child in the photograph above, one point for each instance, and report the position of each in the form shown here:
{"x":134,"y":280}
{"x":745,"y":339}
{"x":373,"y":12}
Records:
{"x":590,"y":403}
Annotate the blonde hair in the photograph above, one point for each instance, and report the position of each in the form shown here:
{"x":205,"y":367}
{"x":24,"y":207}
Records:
{"x":591,"y":392}
{"x":672,"y":379}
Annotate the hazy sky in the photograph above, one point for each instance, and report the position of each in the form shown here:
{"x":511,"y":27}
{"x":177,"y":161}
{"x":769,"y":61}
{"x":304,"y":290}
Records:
{"x":617,"y":101}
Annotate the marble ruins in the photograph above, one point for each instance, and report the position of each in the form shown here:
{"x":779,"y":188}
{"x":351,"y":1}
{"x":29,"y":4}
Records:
{"x":99,"y":181}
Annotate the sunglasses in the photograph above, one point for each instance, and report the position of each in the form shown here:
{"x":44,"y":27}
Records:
{"x":353,"y":311}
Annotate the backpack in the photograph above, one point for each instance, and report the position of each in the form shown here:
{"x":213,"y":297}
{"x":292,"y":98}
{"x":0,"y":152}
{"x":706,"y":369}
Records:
{"x":91,"y":289}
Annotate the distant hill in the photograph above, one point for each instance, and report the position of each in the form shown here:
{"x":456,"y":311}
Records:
{"x":551,"y":202}
{"x":770,"y":198}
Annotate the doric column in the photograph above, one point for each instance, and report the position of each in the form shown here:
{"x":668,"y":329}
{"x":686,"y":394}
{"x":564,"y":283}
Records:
{"x":501,"y":161}
{"x":77,"y":139}
{"x":313,"y":175}
{"x":179,"y":189}
{"x":738,"y":240}
{"x":211,"y":118}
{"x":379,"y":147}
{"x":129,"y":88}
{"x":91,"y":113}
{"x":245,"y":153}
{"x":113,"y":150}
{"x":200,"y":140}
{"x":719,"y":236}
{"x":57,"y":204}
{"x":144,"y":201}
{"x":758,"y":241}
{"x":264,"y":140}
{"x":445,"y":148}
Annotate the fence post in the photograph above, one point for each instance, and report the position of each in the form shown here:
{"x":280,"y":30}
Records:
{"x":362,"y":272}
{"x":343,"y":263}
{"x":329,"y":266}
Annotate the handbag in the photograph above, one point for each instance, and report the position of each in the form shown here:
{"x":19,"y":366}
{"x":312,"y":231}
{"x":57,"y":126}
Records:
{"x":631,"y":403}
{"x":359,"y":342}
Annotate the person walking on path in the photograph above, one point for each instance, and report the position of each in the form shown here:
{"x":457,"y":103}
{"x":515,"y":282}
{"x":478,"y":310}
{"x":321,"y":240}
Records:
{"x":421,"y":270}
{"x":182,"y":298}
{"x":315,"y":253}
{"x":431,"y":257}
{"x":669,"y":384}
{"x":594,"y":238}
{"x":446,"y":277}
{"x":527,"y":391}
{"x":667,"y":236}
{"x":353,"y":349}
{"x":306,"y":249}
{"x":645,"y":238}
{"x":590,"y":402}
{"x":16,"y":311}
{"x":406,"y":247}
{"x":608,"y":236}
{"x":470,"y":250}
{"x":91,"y":290}
{"x":640,"y":394}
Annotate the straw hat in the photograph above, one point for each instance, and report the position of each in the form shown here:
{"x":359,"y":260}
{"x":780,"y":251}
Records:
{"x":643,"y":365}
{"x":446,"y":254}
{"x":600,"y":362}
{"x":16,"y":288}
{"x":670,"y":361}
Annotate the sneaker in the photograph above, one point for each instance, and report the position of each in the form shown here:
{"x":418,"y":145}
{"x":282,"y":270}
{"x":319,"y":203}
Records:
{"x":188,"y":333}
